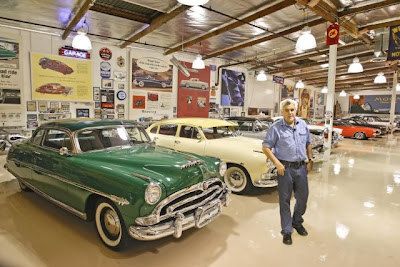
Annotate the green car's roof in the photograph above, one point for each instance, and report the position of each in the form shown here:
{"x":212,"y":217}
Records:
{"x":77,"y":124}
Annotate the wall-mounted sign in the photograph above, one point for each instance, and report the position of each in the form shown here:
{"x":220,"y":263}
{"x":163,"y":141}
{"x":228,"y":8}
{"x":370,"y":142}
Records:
{"x":120,"y":61}
{"x":278,"y":79}
{"x":394,"y":43}
{"x":153,"y":64}
{"x":105,"y":53}
{"x":121,"y":95}
{"x":71,"y":52}
{"x":332,"y":34}
{"x":105,"y":69}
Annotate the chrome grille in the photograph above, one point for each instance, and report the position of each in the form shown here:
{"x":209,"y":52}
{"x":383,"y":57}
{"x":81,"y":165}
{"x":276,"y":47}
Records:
{"x":189,"y":199}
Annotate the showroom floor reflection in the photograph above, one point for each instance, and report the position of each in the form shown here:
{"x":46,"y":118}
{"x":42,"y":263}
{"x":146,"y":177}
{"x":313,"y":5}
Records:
{"x":352,"y":219}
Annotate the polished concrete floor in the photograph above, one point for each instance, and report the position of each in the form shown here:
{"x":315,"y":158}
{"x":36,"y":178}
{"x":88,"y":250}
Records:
{"x":353,"y":219}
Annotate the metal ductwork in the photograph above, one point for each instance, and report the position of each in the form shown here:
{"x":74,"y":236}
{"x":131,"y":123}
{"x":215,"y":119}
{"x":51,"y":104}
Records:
{"x":381,"y":44}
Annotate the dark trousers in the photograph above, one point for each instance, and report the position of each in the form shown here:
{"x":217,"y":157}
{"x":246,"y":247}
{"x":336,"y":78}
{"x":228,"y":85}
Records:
{"x":294,"y":179}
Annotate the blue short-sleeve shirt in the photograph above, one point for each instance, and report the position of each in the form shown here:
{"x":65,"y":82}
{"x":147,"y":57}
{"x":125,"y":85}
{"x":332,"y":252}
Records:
{"x":288,"y":143}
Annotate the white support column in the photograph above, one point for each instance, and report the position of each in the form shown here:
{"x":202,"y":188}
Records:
{"x":393,"y":103}
{"x":330,"y":103}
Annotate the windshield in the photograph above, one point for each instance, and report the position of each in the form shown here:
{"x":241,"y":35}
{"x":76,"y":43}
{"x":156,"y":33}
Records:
{"x":137,"y":134}
{"x":219,"y":132}
{"x":103,"y":138}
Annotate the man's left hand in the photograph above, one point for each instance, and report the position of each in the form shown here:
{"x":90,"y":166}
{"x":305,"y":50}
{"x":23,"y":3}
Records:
{"x":309,"y":166}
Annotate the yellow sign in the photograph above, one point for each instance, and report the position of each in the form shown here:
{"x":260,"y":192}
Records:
{"x":333,"y":33}
{"x":61,"y":78}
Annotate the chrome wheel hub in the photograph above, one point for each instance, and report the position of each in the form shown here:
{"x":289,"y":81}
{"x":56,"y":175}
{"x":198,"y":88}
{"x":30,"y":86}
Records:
{"x":112,"y":223}
{"x":236,"y":179}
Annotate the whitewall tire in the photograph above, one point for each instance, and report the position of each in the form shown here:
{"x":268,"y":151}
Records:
{"x":110,"y":225}
{"x":237,"y":179}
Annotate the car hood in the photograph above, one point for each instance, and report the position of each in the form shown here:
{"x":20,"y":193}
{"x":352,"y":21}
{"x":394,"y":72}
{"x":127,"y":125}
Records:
{"x":175,"y":170}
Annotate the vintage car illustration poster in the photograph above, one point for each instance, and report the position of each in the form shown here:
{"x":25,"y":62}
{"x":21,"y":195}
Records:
{"x":233,"y":88}
{"x":193,"y":92}
{"x":61,"y":78}
{"x":373,"y":104}
{"x":151,"y":74}
{"x":139,"y":102}
{"x":107,"y":99}
{"x":304,"y":103}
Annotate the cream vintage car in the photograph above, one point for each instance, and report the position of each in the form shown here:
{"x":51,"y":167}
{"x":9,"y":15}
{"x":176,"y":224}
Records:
{"x":248,"y":167}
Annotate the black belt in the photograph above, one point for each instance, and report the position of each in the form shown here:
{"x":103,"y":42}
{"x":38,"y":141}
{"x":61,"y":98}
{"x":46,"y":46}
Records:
{"x":296,"y":164}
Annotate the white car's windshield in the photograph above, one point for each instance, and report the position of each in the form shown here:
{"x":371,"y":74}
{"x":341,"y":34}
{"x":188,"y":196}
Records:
{"x":219,"y":132}
{"x":137,"y":134}
{"x":103,"y":138}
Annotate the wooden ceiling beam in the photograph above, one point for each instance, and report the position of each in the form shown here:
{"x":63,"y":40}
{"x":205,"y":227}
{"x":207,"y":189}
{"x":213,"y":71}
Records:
{"x":385,"y":24}
{"x":120,"y":13}
{"x":361,"y":88}
{"x":79,"y":15}
{"x":155,"y":24}
{"x":359,"y":75}
{"x":366,"y":8}
{"x":262,"y":13}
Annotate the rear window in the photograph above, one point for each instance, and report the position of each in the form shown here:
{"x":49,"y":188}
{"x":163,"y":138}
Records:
{"x":37,"y":138}
{"x":168,"y":129}
{"x":188,"y":132}
{"x":57,"y":139}
{"x":154,"y":129}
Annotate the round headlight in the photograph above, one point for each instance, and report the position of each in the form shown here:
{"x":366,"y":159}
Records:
{"x":153,"y":193}
{"x":222,"y":168}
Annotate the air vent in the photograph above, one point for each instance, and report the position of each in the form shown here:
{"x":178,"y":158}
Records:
{"x":378,"y":59}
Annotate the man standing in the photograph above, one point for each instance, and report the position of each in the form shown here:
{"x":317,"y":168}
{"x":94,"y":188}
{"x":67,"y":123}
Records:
{"x":287,"y":145}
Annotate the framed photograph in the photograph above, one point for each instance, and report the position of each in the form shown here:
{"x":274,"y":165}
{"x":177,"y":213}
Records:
{"x":120,"y":108}
{"x":110,"y":116}
{"x":121,"y":116}
{"x":65,"y":107}
{"x":107,"y":84}
{"x":42,"y":106}
{"x":97,"y":104}
{"x":30,"y":105}
{"x":96,"y":93}
{"x":227,"y":112}
{"x":31,"y":117}
{"x":121,"y":86}
{"x":243,"y":114}
{"x":82,"y":113}
{"x":54,"y":107}
{"x":32,"y":124}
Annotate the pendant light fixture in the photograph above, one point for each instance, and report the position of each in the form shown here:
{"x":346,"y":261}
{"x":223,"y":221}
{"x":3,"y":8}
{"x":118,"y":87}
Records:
{"x":342,"y":93}
{"x":81,"y":41}
{"x":380,"y":78}
{"x":306,"y":40}
{"x":198,"y":63}
{"x":193,"y":2}
{"x":299,"y":84}
{"x":261,"y":76}
{"x":356,"y":96}
{"x":356,"y":66}
{"x":324,"y":90}
{"x":398,"y":87}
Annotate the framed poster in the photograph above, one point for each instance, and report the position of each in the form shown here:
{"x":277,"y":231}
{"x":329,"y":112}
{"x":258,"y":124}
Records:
{"x":30,"y":105}
{"x":121,"y":116}
{"x":120,"y":76}
{"x":232,"y":88}
{"x":121,"y":86}
{"x":42,"y":106}
{"x":82,"y":113}
{"x":107,"y":84}
{"x":54,"y":107}
{"x":107,"y":99}
{"x":227,"y":112}
{"x":120,"y":108}
{"x":65,"y":107}
{"x":97,"y":104}
{"x":31,"y":117}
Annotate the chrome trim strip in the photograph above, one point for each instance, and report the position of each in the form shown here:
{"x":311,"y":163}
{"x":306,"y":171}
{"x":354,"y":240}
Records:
{"x":192,"y":164}
{"x":68,"y":208}
{"x":121,"y":201}
{"x":141,"y":176}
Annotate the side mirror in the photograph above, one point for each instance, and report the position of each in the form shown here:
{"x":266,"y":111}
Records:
{"x":64,"y":151}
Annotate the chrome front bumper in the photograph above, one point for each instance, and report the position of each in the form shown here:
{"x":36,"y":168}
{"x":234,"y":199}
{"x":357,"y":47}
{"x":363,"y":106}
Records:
{"x":181,"y":222}
{"x":267,"y":182}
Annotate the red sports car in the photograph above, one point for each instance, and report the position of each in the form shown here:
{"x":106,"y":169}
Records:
{"x":55,"y":65}
{"x":54,"y":88}
{"x":357,"y":132}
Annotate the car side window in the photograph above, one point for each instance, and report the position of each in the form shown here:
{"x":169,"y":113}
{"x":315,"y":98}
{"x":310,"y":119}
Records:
{"x":188,"y":132}
{"x":37,"y":138}
{"x":154,"y":129}
{"x":168,"y":129}
{"x":246,"y":127}
{"x":57,"y":139}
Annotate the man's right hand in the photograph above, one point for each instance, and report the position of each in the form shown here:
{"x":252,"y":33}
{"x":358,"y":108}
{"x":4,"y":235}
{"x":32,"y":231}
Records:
{"x":280,"y":168}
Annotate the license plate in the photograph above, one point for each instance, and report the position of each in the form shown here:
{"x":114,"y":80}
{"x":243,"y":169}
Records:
{"x":205,"y":216}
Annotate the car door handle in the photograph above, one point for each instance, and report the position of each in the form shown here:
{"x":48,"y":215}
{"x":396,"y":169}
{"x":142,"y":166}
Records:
{"x":38,"y":172}
{"x":177,"y":142}
{"x":17,"y":164}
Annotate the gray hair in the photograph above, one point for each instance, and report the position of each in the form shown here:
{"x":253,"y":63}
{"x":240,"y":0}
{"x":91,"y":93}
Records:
{"x":288,"y":101}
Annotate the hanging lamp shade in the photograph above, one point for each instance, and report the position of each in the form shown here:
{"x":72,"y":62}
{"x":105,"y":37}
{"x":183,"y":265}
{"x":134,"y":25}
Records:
{"x":261,"y":76}
{"x":81,"y":41}
{"x":356,"y":66}
{"x":198,"y":63}
{"x":193,"y":2}
{"x":342,"y":93}
{"x":299,"y":84}
{"x":324,"y":90}
{"x":380,"y":78}
{"x":306,"y":40}
{"x":356,"y":96}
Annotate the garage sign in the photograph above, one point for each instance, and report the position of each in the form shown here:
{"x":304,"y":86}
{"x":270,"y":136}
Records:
{"x":394,"y":43}
{"x":105,"y":53}
{"x":332,"y":34}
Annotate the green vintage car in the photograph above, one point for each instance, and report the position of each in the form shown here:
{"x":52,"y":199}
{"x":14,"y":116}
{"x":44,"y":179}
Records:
{"x":7,"y":54}
{"x":110,"y":172}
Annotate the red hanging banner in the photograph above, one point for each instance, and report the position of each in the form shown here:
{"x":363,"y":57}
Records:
{"x":332,"y":34}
